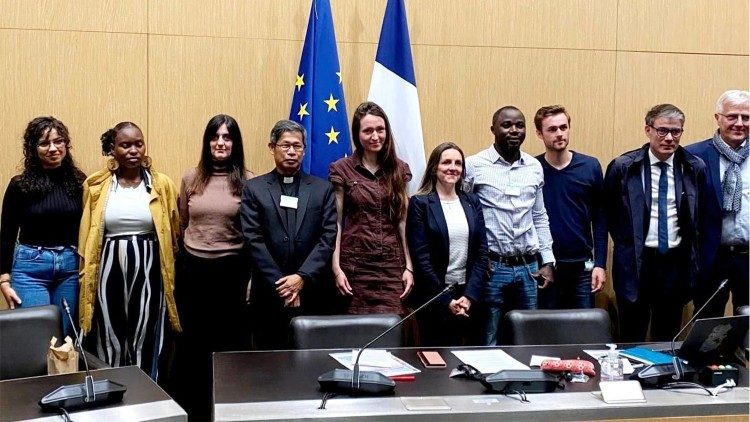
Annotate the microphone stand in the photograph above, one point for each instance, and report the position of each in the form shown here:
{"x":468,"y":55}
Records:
{"x":89,"y":394}
{"x":368,"y":382}
{"x":89,"y":379}
{"x":355,"y":371}
{"x":678,"y":372}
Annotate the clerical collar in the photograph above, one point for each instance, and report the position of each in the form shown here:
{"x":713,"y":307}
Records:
{"x":287,"y":180}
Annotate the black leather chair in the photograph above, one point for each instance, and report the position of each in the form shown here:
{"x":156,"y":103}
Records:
{"x":562,"y":326}
{"x":25,"y":334}
{"x":745,"y":310}
{"x":24,"y":340}
{"x":344,"y":331}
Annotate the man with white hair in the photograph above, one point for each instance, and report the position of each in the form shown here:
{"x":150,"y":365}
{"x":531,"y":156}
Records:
{"x":724,"y":231}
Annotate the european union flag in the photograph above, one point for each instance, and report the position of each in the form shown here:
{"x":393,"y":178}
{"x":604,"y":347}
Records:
{"x":318,"y":101}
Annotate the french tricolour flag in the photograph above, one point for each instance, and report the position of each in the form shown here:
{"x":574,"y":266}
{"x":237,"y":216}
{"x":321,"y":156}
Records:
{"x":394,"y":87}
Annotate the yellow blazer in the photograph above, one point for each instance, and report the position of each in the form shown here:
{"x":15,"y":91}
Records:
{"x":163,"y":206}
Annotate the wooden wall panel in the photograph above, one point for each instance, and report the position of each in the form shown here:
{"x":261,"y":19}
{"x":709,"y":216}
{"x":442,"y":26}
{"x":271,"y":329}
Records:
{"x":691,"y":82}
{"x":542,"y":24}
{"x":192,"y":79}
{"x":66,"y":75}
{"x":78,"y":15}
{"x":695,"y":26}
{"x":461,"y":88}
{"x":577,"y":24}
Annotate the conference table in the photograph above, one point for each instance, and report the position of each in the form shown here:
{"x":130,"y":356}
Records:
{"x":144,"y":400}
{"x":282,"y":385}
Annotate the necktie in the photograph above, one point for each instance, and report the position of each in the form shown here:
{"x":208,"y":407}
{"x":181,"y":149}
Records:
{"x":663,"y":232}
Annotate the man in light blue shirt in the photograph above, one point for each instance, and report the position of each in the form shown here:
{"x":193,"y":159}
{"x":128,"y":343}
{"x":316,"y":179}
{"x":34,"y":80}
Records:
{"x":724,"y":232}
{"x":509,"y":184}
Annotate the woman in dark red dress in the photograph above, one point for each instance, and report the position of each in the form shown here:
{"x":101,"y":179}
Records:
{"x":371,"y":262}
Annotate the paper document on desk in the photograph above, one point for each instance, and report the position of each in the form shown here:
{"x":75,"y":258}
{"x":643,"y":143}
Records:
{"x":488,"y":361}
{"x":395,"y":367}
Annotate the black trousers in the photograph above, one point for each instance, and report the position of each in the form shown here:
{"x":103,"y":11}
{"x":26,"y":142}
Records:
{"x":210,"y":296}
{"x":733,"y":266}
{"x":662,"y":294}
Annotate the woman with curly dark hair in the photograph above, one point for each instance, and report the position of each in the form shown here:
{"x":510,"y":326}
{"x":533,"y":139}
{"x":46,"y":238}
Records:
{"x":40,"y":218}
{"x":371,"y":262}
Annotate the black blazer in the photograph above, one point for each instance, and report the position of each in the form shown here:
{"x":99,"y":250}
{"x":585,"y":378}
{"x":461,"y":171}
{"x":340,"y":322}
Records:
{"x":427,"y":234}
{"x":273,"y":251}
{"x":627,"y":208}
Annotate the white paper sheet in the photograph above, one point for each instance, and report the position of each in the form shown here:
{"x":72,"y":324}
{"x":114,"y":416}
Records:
{"x":373,"y":357}
{"x":398,"y":366}
{"x":488,"y":361}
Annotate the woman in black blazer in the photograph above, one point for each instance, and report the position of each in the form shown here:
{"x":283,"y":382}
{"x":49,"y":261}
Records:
{"x":448,"y":244}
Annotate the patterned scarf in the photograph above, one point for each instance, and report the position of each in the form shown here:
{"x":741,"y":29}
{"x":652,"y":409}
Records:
{"x":731,"y":185}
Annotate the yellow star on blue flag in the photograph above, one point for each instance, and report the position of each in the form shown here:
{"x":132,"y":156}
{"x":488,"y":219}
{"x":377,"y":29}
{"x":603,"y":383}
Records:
{"x":318,"y":95}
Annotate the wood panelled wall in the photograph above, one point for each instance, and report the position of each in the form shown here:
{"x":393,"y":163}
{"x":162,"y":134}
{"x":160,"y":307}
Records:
{"x":170,"y":65}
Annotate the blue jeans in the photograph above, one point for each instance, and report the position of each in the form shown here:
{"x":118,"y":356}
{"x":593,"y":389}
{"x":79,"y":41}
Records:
{"x":509,"y":288}
{"x":571,"y":289}
{"x":43,"y":276}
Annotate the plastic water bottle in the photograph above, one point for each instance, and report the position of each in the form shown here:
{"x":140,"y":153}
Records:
{"x":612,"y":365}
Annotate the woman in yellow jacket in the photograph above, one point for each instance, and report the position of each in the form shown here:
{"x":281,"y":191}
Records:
{"x":127,"y":242}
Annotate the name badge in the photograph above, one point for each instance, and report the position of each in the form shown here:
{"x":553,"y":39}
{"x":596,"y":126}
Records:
{"x":289,"y":201}
{"x":513,"y":191}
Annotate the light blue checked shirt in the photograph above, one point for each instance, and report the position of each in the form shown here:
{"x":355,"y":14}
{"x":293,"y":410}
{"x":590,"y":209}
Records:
{"x":512,"y":202}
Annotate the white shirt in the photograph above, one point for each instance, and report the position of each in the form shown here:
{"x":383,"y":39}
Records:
{"x":652,"y":238}
{"x":734,"y":226}
{"x":127,"y":211}
{"x":458,"y":241}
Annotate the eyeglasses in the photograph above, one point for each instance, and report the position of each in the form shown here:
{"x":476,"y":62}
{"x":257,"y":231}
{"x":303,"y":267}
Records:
{"x":58,"y":143}
{"x":731,"y":118}
{"x":286,"y":147}
{"x":664,"y":131}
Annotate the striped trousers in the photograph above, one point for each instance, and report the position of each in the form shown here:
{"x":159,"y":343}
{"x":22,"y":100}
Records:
{"x":129,"y":315}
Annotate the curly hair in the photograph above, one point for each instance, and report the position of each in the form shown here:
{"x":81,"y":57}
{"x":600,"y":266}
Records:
{"x":395,"y":182}
{"x":34,"y":180}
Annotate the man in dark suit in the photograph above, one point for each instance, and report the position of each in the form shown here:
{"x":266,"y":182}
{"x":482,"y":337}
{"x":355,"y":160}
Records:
{"x":289,"y":225}
{"x":724,"y":232}
{"x":652,"y":198}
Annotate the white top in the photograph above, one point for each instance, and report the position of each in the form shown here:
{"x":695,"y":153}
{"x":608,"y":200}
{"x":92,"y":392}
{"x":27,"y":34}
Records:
{"x":127,"y":211}
{"x":458,"y":241}
{"x":652,"y":238}
{"x":734,"y":226}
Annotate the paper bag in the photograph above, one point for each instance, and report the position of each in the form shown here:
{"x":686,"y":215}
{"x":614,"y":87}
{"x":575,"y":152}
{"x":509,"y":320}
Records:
{"x":62,"y":359}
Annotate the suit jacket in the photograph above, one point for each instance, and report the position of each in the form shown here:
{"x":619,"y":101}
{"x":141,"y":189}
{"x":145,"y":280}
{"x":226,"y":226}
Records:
{"x":427,"y":235}
{"x":276,"y":253}
{"x":627,"y":209}
{"x":713,"y":201}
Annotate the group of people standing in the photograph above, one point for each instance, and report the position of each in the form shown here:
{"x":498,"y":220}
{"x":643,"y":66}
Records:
{"x":511,"y":231}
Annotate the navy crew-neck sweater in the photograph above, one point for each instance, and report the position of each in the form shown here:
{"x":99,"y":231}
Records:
{"x":573,"y":199}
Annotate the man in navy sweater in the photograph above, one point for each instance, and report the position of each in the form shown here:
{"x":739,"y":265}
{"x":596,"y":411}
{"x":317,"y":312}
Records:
{"x":573,"y":199}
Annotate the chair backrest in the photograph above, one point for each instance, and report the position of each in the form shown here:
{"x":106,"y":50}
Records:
{"x":559,"y":326}
{"x":24,"y":340}
{"x":344,"y":331}
{"x":744,"y":310}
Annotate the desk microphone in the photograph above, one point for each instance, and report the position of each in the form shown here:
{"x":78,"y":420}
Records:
{"x":354,"y":382}
{"x":88,"y":394}
{"x":674,"y":370}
